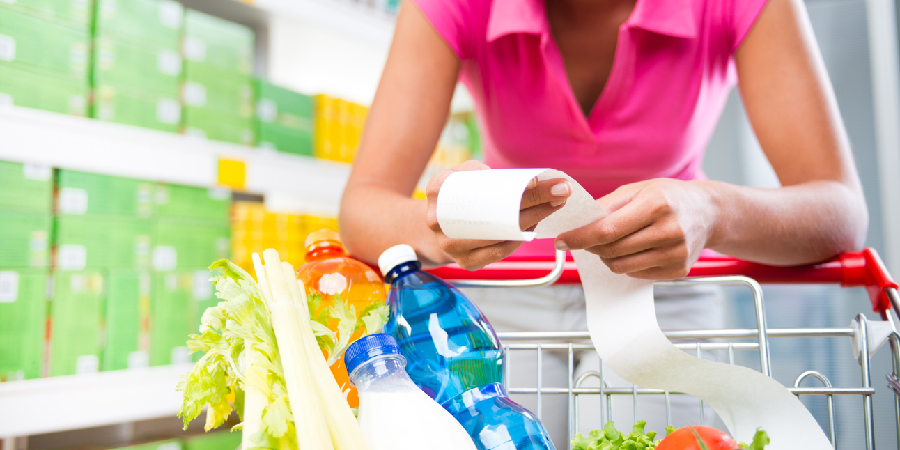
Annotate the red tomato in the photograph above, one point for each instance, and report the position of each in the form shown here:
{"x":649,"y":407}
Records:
{"x":684,"y":439}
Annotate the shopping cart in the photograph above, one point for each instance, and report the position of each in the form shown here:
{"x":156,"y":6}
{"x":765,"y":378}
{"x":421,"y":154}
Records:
{"x":854,"y":269}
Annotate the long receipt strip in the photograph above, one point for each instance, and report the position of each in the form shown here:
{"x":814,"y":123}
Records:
{"x":485,"y":205}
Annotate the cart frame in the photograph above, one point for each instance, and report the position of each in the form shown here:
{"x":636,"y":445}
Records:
{"x":853,"y":269}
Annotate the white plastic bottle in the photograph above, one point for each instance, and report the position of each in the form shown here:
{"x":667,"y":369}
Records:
{"x":393,"y":412}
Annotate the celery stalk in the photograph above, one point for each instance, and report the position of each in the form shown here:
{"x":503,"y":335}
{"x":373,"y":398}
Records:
{"x":310,"y":425}
{"x":342,"y":424}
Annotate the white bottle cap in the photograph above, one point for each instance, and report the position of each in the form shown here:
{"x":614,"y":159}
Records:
{"x":395,"y":256}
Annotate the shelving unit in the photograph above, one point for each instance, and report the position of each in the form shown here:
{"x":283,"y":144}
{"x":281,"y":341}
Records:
{"x":81,"y":401}
{"x":287,"y":182}
{"x":76,"y":143}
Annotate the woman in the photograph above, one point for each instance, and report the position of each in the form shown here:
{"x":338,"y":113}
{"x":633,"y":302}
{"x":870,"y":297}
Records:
{"x":622,"y":95}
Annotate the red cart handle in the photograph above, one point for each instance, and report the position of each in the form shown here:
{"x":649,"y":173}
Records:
{"x":862,"y":268}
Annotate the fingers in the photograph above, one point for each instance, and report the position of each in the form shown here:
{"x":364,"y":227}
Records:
{"x":671,"y":261}
{"x":477,"y":258}
{"x":553,"y":191}
{"x":630,"y":218}
{"x":532,"y":216}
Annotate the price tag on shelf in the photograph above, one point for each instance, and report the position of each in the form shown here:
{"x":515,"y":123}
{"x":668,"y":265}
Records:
{"x":168,"y":62}
{"x":194,"y":94}
{"x":232,"y":173}
{"x":164,"y":258}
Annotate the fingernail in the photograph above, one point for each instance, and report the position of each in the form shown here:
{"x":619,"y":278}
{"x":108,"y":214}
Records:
{"x":557,"y":203}
{"x":532,"y":183}
{"x":560,"y":245}
{"x":560,"y":189}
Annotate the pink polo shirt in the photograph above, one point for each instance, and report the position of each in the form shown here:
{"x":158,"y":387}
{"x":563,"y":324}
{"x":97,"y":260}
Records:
{"x":672,"y":72}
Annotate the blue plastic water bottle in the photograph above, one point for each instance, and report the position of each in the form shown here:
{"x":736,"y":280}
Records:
{"x":454,"y":355}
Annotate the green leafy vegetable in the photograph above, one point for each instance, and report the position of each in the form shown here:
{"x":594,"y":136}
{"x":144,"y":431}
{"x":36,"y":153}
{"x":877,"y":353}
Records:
{"x":241,"y":367}
{"x":760,"y":441}
{"x":611,"y":439}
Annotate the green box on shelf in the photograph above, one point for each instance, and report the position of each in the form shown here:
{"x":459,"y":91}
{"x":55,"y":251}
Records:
{"x":220,"y":440}
{"x":127,"y":296}
{"x":74,"y":13}
{"x":141,"y":21}
{"x":185,"y":243}
{"x":149,"y":66}
{"x":209,"y":124}
{"x":288,"y":140}
{"x":275,"y":104}
{"x":76,"y":313}
{"x":27,"y":187}
{"x":138,"y":107}
{"x":83,"y":193}
{"x":25,"y":238}
{"x":171,"y":444}
{"x":223,"y":44}
{"x":23,"y":306}
{"x":93,"y":242}
{"x":174,"y":200}
{"x":208,"y":87}
{"x":55,"y":93}
{"x":30,"y":43}
{"x":176,"y":301}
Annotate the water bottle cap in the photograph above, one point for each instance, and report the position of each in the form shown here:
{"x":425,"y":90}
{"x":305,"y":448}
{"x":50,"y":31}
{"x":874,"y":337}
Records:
{"x":368,"y":347}
{"x":395,"y":256}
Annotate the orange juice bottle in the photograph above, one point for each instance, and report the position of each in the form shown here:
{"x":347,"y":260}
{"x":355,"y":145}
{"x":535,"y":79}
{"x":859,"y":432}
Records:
{"x":329,"y":272}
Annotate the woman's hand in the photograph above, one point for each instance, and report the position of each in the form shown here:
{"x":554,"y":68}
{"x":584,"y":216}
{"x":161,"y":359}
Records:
{"x":655,"y":229}
{"x":540,"y":199}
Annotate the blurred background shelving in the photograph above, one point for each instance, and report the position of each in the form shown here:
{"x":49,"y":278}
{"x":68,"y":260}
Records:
{"x":142,"y":139}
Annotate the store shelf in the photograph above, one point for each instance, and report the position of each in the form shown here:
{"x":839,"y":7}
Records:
{"x":77,"y":143}
{"x":82,"y":401}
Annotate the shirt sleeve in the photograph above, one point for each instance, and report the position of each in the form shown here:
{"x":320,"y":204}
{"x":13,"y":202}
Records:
{"x":742,"y":17}
{"x":451,"y":20}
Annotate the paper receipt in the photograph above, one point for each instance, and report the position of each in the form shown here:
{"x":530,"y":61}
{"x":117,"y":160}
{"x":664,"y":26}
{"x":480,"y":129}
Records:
{"x":484,"y":204}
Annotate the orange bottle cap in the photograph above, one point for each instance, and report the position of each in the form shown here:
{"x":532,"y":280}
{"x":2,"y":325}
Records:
{"x":322,"y":238}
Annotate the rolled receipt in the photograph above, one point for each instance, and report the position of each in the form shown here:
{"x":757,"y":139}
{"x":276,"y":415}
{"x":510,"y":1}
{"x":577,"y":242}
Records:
{"x":484,"y":204}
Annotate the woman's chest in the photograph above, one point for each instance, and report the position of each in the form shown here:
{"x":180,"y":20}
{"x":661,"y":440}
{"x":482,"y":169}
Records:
{"x":659,"y":98}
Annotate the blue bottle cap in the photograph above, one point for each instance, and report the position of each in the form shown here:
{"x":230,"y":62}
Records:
{"x":368,"y":347}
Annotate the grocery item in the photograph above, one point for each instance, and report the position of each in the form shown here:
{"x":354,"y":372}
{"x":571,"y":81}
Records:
{"x":494,"y":421}
{"x":74,"y":13}
{"x":455,"y":355}
{"x":687,"y":438}
{"x":140,"y":21}
{"x":340,"y":286}
{"x":23,"y":300}
{"x":76,"y":312}
{"x":277,"y":358}
{"x":448,"y":343}
{"x":29,"y":89}
{"x":29,"y":43}
{"x":393,"y":413}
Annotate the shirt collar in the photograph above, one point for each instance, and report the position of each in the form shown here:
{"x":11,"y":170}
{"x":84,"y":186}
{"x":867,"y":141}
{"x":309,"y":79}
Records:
{"x":669,"y":17}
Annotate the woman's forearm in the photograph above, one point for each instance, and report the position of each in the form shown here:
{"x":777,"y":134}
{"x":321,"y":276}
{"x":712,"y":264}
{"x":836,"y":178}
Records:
{"x":374,"y":218}
{"x":798,"y":224}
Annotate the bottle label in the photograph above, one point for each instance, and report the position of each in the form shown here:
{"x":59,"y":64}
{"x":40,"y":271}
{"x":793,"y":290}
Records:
{"x":7,"y":48}
{"x":72,"y":257}
{"x":73,"y":201}
{"x":9,"y":286}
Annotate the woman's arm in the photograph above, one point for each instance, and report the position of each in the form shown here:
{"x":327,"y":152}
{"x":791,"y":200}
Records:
{"x":409,"y":111}
{"x":411,"y":105}
{"x":657,"y":228}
